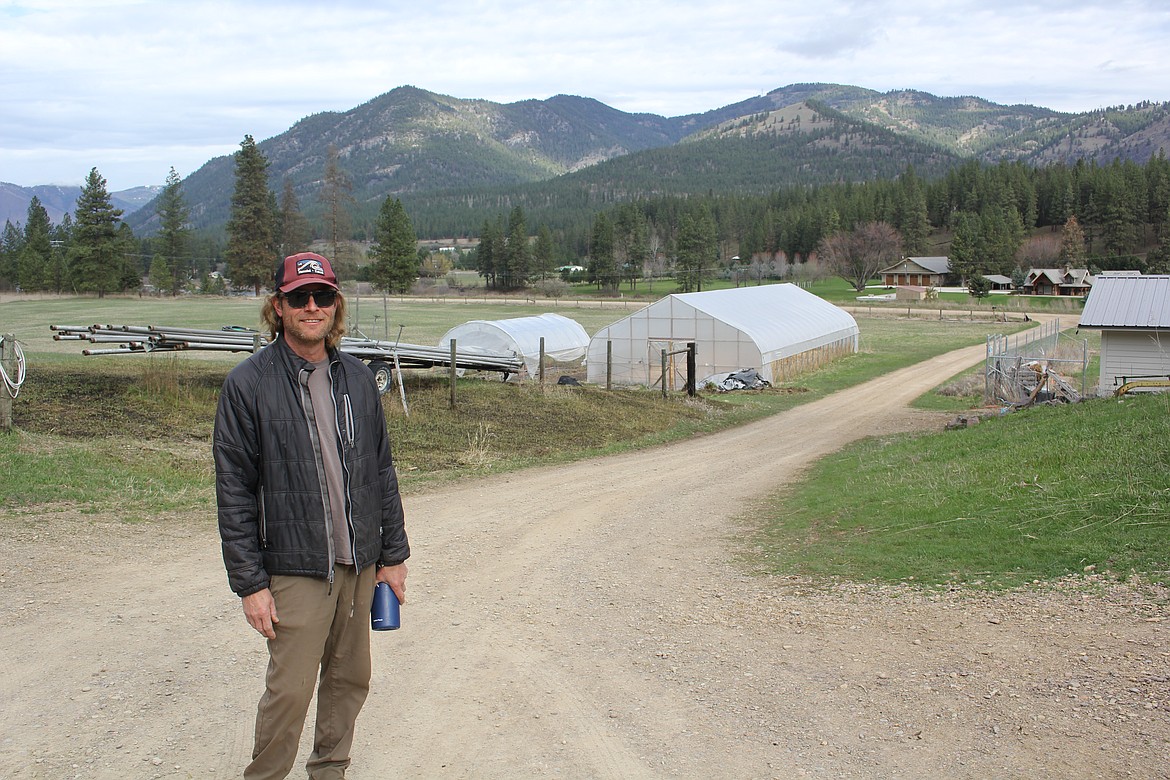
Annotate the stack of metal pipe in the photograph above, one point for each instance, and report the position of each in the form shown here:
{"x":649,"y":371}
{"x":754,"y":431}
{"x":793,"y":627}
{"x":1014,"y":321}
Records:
{"x":138,"y":339}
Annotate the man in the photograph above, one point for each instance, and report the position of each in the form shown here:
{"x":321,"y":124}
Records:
{"x":309,"y":516}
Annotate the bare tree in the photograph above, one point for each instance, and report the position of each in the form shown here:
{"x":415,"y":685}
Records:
{"x":337,"y":198}
{"x":857,"y":255}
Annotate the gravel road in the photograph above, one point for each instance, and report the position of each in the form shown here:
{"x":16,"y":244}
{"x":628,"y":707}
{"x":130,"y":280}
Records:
{"x":592,"y":621}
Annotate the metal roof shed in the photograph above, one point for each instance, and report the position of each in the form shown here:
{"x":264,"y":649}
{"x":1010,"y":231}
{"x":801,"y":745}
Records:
{"x":1133,"y":315}
{"x":564,"y":339}
{"x":780,"y":330}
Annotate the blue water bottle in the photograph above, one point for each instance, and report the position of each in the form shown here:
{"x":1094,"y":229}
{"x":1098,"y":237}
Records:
{"x":384,"y":614}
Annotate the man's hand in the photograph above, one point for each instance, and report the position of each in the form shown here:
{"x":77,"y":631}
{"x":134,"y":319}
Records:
{"x":395,"y":577}
{"x":260,"y":610}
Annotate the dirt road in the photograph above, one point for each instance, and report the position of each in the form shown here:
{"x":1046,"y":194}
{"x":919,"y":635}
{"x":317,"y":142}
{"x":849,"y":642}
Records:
{"x":591,"y":621}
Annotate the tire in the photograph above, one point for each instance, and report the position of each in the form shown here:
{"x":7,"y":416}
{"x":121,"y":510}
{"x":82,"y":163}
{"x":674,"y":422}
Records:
{"x":383,"y":375}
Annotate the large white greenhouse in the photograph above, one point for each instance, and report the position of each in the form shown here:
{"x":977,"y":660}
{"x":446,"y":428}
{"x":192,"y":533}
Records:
{"x":564,"y":338}
{"x":780,"y":330}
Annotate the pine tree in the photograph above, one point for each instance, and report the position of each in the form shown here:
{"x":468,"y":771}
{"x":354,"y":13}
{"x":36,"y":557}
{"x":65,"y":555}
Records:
{"x":10,"y":244}
{"x":174,"y":236}
{"x":910,"y":215}
{"x":602,"y":266}
{"x":395,"y":260}
{"x":631,"y":245}
{"x":61,"y":238}
{"x":293,"y":233}
{"x":543,"y":252}
{"x":516,"y":251}
{"x":251,"y":253}
{"x":966,"y":247}
{"x":488,"y":255}
{"x":697,"y":248}
{"x":98,"y":261}
{"x":37,"y":250}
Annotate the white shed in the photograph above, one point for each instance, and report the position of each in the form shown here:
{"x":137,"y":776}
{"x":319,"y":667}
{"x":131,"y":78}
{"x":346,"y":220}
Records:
{"x":780,"y":330}
{"x":1133,"y":315}
{"x":564,"y":339}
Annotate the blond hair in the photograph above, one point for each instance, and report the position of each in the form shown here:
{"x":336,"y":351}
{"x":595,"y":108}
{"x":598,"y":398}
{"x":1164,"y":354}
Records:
{"x":271,"y":321}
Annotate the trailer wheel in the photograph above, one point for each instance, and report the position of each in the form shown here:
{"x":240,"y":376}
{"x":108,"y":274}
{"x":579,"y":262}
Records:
{"x":383,"y":375}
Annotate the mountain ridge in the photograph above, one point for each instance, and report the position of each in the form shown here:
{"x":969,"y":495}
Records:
{"x":417,"y":145}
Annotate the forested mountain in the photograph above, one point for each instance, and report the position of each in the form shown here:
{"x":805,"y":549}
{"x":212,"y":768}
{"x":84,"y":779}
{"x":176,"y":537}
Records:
{"x":452,"y":161}
{"x":59,"y":201}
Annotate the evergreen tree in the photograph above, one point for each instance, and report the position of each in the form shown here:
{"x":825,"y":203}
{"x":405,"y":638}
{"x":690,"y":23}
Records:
{"x":37,"y":250}
{"x":910,"y":216}
{"x":966,"y":247}
{"x":98,"y":245}
{"x":395,"y":261}
{"x":631,"y":246}
{"x":517,"y":255}
{"x":1002,"y":234}
{"x":251,"y":252}
{"x":131,"y":269}
{"x":602,"y":266}
{"x":61,"y":238}
{"x":979,"y":287}
{"x":174,"y":237}
{"x":543,"y":252}
{"x":697,"y":248}
{"x":489,"y":253}
{"x":293,"y":233}
{"x":10,"y":245}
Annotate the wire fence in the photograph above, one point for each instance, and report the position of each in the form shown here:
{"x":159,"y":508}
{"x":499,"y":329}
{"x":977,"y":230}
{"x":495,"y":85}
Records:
{"x":1035,"y":366}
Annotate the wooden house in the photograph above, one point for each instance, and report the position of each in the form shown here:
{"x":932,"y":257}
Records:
{"x":917,"y":272}
{"x":1058,"y":281}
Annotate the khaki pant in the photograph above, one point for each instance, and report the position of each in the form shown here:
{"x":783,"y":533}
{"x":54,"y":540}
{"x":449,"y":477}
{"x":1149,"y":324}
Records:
{"x":319,"y":630}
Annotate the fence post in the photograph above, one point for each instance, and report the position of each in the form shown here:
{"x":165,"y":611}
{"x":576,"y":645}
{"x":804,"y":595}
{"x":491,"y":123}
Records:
{"x":8,"y":362}
{"x":691,"y":369}
{"x":541,"y":371}
{"x":609,"y":365}
{"x":664,"y":373}
{"x":451,"y":377}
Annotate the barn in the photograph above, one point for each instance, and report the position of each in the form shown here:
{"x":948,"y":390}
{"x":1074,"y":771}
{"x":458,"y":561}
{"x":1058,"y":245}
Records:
{"x":1133,"y":315}
{"x":564,"y":339}
{"x":780,"y":330}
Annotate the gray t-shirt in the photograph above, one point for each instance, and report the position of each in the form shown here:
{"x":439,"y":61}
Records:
{"x":325,"y":415}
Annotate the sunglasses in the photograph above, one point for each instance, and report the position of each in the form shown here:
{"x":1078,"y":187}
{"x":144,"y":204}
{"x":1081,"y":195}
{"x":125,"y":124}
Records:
{"x":299,"y":299}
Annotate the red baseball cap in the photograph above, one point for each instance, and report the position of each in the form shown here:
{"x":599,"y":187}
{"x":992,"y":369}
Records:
{"x":303,"y":269}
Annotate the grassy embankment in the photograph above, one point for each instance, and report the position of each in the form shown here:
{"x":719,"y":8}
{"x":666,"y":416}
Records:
{"x":1029,"y":496}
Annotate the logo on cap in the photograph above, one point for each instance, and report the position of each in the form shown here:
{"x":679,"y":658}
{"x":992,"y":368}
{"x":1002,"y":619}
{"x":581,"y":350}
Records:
{"x":309,"y":266}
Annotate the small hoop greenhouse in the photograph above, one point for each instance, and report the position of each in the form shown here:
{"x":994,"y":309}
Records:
{"x":780,"y":330}
{"x":564,"y":339}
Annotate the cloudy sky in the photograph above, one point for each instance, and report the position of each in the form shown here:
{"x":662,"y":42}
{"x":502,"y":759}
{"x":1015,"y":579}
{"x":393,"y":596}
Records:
{"x":136,"y":87}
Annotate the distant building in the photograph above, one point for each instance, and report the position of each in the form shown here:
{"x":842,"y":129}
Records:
{"x":1058,"y":281}
{"x":999,"y":282}
{"x":1133,"y":315}
{"x":911,"y":292}
{"x":917,"y":272}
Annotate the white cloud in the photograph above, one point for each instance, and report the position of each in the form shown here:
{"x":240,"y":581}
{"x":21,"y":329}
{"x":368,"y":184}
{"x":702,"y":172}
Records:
{"x":136,"y":86}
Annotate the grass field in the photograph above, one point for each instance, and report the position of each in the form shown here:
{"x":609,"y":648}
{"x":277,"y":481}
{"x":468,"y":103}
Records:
{"x":1033,"y":495}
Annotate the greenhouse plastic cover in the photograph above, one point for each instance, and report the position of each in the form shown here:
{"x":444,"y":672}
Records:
{"x":564,"y":339}
{"x":747,"y":327}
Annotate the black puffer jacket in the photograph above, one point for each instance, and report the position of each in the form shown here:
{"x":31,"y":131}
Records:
{"x":272,"y":517}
